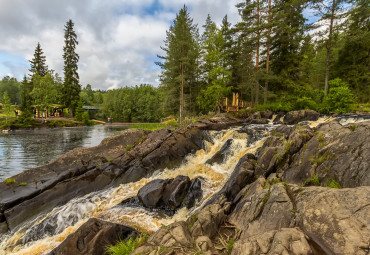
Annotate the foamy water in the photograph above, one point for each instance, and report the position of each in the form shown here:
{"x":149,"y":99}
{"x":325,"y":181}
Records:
{"x":68,"y":218}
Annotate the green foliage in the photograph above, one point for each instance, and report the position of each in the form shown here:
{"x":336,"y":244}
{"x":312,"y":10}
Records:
{"x":126,"y":247}
{"x":209,"y":97}
{"x":133,"y":104}
{"x":353,"y":128}
{"x":12,"y":87}
{"x":44,"y":91}
{"x":340,"y":97}
{"x":333,"y":184}
{"x":79,"y":111}
{"x":10,"y":181}
{"x":314,"y":181}
{"x":149,"y":126}
{"x":230,"y":245}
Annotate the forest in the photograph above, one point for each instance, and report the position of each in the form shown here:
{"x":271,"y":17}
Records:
{"x":273,"y":58}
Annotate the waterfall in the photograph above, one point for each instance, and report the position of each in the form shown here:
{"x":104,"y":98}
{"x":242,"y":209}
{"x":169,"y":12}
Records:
{"x":47,"y":231}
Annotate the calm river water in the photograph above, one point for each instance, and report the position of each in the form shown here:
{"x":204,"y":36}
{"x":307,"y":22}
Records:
{"x":27,"y":149}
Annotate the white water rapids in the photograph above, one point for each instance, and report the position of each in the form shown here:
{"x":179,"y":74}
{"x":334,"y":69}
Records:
{"x":45,"y":233}
{"x":34,"y":237}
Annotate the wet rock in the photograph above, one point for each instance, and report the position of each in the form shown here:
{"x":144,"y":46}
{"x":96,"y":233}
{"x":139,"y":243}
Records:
{"x":255,"y":133}
{"x":3,"y":227}
{"x":151,"y":194}
{"x":242,"y":175}
{"x":194,"y":193}
{"x":294,"y":117}
{"x":278,"y":118}
{"x":93,"y":237}
{"x":168,"y":195}
{"x":222,"y":154}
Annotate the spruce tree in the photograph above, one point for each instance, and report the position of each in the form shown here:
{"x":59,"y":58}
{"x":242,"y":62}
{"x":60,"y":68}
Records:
{"x":71,"y":86}
{"x":38,"y":63}
{"x":331,"y":12}
{"x":179,"y":66}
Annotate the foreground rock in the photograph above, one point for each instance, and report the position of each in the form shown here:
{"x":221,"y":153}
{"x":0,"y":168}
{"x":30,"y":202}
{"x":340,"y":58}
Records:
{"x":168,"y":195}
{"x":273,"y":219}
{"x":93,"y":237}
{"x":124,"y":158}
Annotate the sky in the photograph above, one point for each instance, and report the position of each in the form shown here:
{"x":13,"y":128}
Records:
{"x":119,"y":40}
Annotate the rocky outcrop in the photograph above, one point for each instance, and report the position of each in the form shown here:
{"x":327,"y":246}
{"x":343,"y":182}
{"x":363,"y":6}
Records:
{"x":124,"y":158}
{"x":93,"y":237}
{"x":274,"y":218}
{"x":168,"y":195}
{"x":295,"y":117}
{"x":331,"y":152}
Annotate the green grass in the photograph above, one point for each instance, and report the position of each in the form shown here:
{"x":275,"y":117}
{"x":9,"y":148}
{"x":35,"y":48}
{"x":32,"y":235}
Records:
{"x":10,"y":181}
{"x":149,"y":126}
{"x":314,"y":181}
{"x":333,"y":184}
{"x":125,"y":248}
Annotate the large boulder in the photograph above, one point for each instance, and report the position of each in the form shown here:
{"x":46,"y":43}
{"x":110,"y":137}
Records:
{"x":335,"y":152}
{"x":242,"y":175}
{"x":320,"y":220}
{"x":222,"y":154}
{"x":168,"y":195}
{"x":93,"y":237}
{"x":295,"y":117}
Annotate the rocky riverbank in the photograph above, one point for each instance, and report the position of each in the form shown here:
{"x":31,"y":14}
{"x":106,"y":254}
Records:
{"x":276,"y":201}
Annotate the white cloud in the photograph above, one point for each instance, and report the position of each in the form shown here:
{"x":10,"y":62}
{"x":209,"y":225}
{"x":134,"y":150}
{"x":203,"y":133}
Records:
{"x":118,"y":39}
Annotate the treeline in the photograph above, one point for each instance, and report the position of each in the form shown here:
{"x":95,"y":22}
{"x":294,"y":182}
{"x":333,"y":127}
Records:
{"x":271,"y":58}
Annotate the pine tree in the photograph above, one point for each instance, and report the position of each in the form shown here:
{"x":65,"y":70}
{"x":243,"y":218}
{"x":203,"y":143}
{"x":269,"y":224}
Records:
{"x":180,"y":60}
{"x":331,"y":12}
{"x":38,"y":63}
{"x":71,"y":86}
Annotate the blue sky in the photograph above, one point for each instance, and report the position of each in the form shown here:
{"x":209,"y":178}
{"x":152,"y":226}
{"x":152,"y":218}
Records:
{"x":118,"y":39}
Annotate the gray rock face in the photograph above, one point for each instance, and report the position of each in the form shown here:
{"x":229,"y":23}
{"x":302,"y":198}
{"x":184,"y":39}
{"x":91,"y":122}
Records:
{"x":93,"y":237}
{"x":322,"y":220}
{"x":294,"y":117}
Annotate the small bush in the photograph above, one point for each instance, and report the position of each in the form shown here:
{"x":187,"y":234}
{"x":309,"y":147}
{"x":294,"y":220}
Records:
{"x":125,"y":248}
{"x":10,"y":181}
{"x":340,"y":97}
{"x":314,"y":181}
{"x":333,"y":184}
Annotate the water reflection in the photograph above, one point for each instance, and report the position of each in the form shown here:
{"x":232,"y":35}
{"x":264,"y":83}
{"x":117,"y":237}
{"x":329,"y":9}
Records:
{"x":27,"y":149}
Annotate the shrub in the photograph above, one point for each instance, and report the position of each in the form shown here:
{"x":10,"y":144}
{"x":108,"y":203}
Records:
{"x":340,"y":97}
{"x":125,"y":248}
{"x":314,"y":181}
{"x":333,"y":184}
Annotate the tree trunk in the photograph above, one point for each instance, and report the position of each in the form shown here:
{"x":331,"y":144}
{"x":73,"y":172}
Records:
{"x":328,"y":48}
{"x":182,"y":93}
{"x":268,"y":53}
{"x":258,"y":49}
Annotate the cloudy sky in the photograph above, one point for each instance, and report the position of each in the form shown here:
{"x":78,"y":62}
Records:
{"x":118,"y":39}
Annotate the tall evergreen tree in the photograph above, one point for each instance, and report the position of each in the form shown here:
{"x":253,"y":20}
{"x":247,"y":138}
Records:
{"x":71,"y":86}
{"x":38,"y":63}
{"x":353,"y":63}
{"x":330,"y":11}
{"x":286,"y":40}
{"x":179,"y":66}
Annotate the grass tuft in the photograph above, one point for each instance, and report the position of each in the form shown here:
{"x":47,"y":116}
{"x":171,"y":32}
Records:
{"x":126,"y":247}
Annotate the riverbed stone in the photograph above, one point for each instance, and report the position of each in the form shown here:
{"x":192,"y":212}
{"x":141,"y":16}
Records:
{"x":294,"y":117}
{"x":93,"y":237}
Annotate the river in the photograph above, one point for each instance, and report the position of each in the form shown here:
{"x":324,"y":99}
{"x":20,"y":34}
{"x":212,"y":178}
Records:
{"x":25,"y":149}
